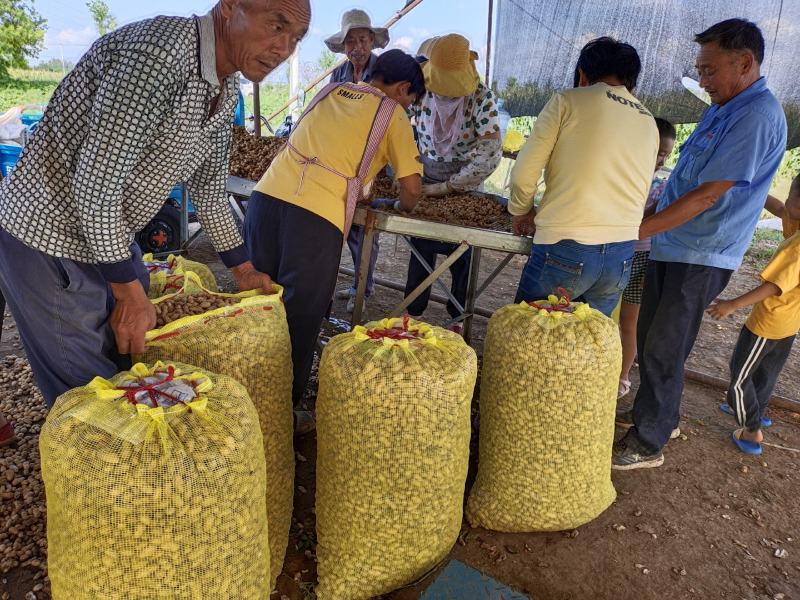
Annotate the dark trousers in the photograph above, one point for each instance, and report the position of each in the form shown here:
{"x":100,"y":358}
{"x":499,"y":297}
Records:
{"x":62,"y":308}
{"x":417,"y":273}
{"x":755,"y":366}
{"x":301,"y":252}
{"x":675,"y":297}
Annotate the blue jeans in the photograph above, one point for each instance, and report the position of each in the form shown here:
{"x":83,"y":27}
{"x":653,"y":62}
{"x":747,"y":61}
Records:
{"x":596,"y":274}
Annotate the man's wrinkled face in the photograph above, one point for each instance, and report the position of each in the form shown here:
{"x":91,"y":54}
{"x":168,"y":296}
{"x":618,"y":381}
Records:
{"x":722,"y":73}
{"x":261,"y":34}
{"x":358,"y":45}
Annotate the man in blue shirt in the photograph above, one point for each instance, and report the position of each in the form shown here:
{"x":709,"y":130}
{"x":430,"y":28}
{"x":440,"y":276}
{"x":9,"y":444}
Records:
{"x":357,"y":39}
{"x":703,"y":225}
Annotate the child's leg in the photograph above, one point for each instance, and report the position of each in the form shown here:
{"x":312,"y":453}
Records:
{"x":628,"y":317}
{"x":765,"y":376}
{"x":747,"y":357}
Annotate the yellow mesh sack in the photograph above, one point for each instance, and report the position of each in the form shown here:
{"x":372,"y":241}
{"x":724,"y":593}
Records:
{"x":393,"y":428}
{"x":548,"y":397}
{"x":155,"y":485}
{"x":248,"y":341}
{"x":514,"y":141}
{"x":166,"y":276}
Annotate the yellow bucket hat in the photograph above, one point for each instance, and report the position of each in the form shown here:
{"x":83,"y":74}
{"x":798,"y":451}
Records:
{"x":450,"y":70}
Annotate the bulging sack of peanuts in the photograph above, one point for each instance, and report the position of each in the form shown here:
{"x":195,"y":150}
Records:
{"x":393,"y":429}
{"x":155,"y":484}
{"x":244,"y":336}
{"x":166,"y":276}
{"x":547,"y":403}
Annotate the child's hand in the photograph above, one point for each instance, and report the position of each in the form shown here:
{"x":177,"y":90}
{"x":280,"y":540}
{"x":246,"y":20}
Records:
{"x":721,"y":309}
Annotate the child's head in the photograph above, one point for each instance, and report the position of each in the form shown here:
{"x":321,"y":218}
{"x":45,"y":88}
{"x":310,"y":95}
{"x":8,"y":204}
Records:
{"x":666,"y":136}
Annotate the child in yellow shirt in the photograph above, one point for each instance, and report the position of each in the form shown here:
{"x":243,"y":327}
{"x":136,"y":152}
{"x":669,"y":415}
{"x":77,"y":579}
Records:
{"x":764,"y":342}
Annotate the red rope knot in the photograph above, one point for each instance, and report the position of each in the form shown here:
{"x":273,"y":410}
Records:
{"x":395,"y":333}
{"x":161,"y":385}
{"x":564,"y":303}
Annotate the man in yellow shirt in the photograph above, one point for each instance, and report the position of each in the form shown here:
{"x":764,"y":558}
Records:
{"x":597,"y":146}
{"x":301,"y":210}
{"x":764,"y":342}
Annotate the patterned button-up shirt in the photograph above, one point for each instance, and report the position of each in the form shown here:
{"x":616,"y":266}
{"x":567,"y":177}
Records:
{"x":124,"y":126}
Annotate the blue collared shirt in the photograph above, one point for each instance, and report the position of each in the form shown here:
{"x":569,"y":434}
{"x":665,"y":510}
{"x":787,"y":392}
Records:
{"x":742,"y":141}
{"x":344,"y":72}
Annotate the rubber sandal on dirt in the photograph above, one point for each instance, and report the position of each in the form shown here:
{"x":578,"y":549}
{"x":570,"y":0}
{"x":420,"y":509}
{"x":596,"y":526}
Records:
{"x":753,"y":448}
{"x":7,"y":435}
{"x":765,"y":421}
{"x":304,"y":422}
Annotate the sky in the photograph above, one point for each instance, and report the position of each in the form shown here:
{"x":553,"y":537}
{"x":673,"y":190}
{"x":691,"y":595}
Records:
{"x":70,"y":29}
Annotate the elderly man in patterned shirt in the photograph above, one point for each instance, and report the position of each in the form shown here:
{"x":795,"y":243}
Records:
{"x":149,"y":105}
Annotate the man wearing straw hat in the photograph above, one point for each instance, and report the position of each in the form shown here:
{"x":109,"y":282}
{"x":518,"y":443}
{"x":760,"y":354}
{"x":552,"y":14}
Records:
{"x":357,"y":39}
{"x":460,"y":147}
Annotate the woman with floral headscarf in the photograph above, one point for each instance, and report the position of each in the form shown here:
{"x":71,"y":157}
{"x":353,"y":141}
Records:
{"x":460,"y":147}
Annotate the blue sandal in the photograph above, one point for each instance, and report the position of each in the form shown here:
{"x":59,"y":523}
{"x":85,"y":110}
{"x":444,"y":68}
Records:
{"x":745,"y":446}
{"x":765,"y":421}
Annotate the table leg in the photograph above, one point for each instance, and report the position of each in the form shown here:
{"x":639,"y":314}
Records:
{"x":435,"y":274}
{"x":363,"y":267}
{"x":472,"y":284}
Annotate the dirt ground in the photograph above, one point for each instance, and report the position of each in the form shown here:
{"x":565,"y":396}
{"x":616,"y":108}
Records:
{"x":711,"y":523}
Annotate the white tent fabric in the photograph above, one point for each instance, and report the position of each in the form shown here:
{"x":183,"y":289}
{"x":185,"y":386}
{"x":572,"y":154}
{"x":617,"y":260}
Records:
{"x":537,"y":43}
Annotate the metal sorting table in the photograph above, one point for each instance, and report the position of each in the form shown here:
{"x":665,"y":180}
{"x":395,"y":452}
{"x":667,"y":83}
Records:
{"x":375,"y":220}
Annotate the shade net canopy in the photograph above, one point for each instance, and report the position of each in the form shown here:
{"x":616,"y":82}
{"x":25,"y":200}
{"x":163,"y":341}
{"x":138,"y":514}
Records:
{"x":537,"y":43}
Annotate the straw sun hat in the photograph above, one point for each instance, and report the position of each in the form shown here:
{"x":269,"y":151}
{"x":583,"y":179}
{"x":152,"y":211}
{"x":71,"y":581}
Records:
{"x":450,"y":70}
{"x":356,"y":19}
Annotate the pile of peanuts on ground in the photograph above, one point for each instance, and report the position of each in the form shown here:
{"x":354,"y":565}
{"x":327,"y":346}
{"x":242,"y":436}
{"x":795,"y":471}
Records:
{"x":23,"y":541}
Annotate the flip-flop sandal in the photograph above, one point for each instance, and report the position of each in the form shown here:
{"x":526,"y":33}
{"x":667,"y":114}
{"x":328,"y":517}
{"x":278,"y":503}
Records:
{"x":745,"y":446}
{"x":765,"y":421}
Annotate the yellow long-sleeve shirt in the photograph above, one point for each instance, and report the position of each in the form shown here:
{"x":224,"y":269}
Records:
{"x":597,"y":146}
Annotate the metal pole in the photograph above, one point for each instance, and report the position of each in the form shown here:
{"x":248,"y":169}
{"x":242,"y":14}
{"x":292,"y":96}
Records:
{"x":257,"y":109}
{"x":472,"y":284}
{"x":184,"y":217}
{"x":294,"y":82}
{"x":363,"y":267}
{"x":489,"y":44}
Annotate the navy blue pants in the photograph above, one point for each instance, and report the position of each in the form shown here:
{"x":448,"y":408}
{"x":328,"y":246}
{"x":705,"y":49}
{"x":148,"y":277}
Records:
{"x":61,"y":308}
{"x":675,"y":297}
{"x":595,"y":274}
{"x":301,"y":252}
